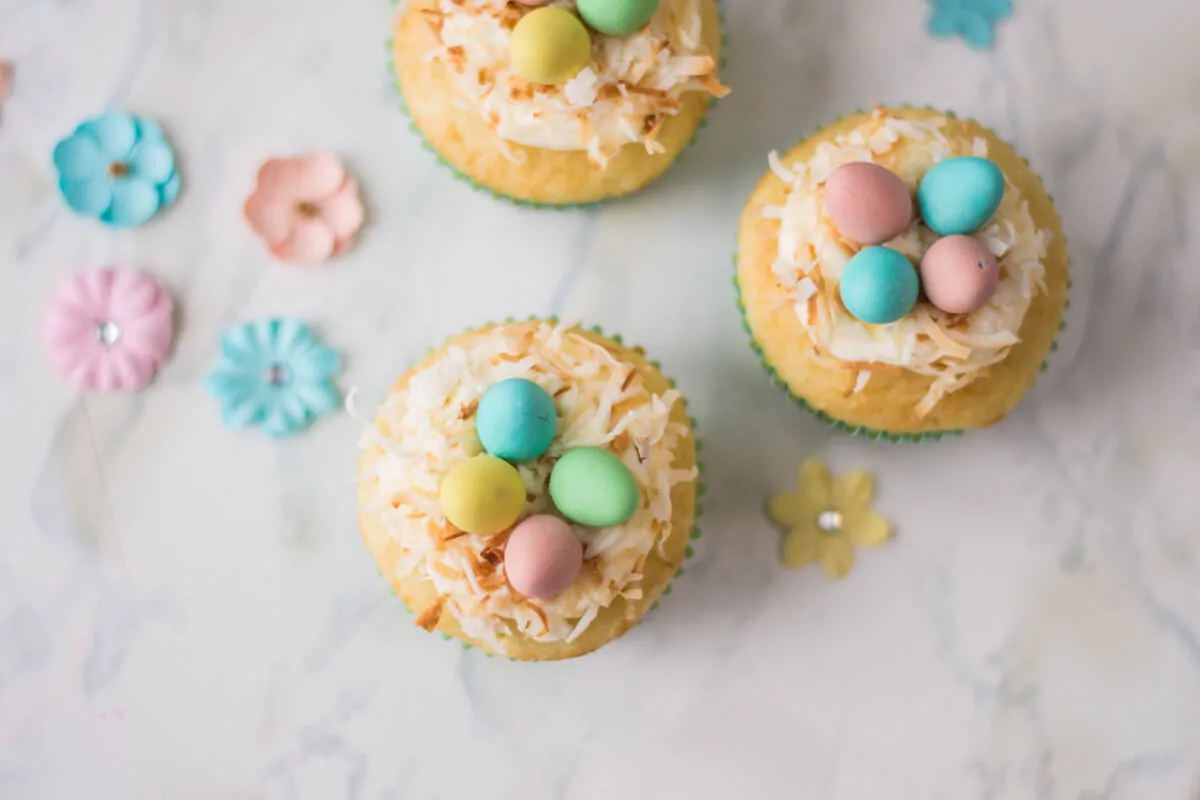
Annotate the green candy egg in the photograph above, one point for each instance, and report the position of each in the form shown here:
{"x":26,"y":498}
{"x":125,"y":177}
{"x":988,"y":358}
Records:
{"x":593,"y":487}
{"x":617,"y":17}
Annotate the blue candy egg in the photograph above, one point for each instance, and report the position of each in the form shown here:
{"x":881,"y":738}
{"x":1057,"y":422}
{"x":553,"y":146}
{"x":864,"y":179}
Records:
{"x":960,"y":195}
{"x":516,"y":420}
{"x":879,"y":285}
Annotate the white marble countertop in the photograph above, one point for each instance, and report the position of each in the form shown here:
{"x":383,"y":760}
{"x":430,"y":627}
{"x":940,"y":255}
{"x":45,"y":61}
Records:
{"x":187,"y":612}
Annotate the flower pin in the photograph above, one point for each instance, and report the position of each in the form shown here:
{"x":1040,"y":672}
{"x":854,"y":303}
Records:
{"x":275,"y":374}
{"x":973,"y":20}
{"x":117,"y":168}
{"x":110,"y":329}
{"x":826,"y":519}
{"x":305,"y":209}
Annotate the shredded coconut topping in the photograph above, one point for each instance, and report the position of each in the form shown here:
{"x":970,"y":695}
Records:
{"x":625,"y":94}
{"x":428,"y":428}
{"x":953,"y":349}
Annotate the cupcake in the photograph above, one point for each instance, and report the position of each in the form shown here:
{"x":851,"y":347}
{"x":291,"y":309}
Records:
{"x":529,"y":488}
{"x":903,"y":273}
{"x":563,"y":102}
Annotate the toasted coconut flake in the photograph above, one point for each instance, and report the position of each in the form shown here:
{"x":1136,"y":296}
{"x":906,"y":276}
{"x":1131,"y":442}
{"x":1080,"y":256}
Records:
{"x":429,"y":618}
{"x":646,"y":91}
{"x":805,"y":289}
{"x":651,"y":138}
{"x":541,"y":615}
{"x":584,"y":622}
{"x":696,"y":65}
{"x":949,"y":347}
{"x":715,"y":87}
{"x":779,"y":169}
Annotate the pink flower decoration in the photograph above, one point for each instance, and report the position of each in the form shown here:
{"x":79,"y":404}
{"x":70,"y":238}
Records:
{"x":306,"y":209}
{"x":110,"y":329}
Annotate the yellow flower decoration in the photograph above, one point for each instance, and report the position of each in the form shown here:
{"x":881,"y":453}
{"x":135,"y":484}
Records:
{"x":826,"y":518}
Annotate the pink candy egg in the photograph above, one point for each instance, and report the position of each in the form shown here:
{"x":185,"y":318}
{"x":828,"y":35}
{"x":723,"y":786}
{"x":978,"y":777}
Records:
{"x":543,"y":557}
{"x":958,"y":274}
{"x":867,"y":203}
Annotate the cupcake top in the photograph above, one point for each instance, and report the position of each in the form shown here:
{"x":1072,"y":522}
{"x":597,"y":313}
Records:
{"x":950,"y":325}
{"x":622,"y":92}
{"x":429,"y":427}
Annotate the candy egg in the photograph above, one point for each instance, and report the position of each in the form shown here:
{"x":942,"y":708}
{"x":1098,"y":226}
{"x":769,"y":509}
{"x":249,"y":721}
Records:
{"x":617,"y":17}
{"x":483,"y":495}
{"x":959,"y":274}
{"x":868,"y":203}
{"x":593,"y":487}
{"x":879,"y":285}
{"x":549,"y":46}
{"x":960,"y":195}
{"x":516,"y":420}
{"x":532,"y":2}
{"x":543,"y":557}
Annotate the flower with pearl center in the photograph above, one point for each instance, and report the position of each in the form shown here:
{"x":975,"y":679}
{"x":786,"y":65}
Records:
{"x":110,"y":329}
{"x":273,"y":373}
{"x":826,"y":518}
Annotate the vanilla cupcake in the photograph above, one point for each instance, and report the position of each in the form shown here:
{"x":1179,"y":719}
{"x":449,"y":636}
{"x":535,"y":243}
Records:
{"x":530,"y":489}
{"x":903,"y":273}
{"x":558,"y":103}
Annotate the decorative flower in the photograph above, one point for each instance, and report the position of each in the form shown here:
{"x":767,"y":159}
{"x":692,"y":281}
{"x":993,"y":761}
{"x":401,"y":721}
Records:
{"x":827,"y":519}
{"x":110,"y":329}
{"x":306,"y":209}
{"x":274,"y":373}
{"x":973,"y":20}
{"x":117,"y":168}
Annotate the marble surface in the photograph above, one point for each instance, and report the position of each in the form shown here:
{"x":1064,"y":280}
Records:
{"x":187,"y":612}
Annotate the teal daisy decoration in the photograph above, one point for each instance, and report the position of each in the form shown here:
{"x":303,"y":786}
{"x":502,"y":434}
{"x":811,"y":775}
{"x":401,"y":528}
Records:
{"x":275,"y":374}
{"x":972,"y":20}
{"x":117,"y":168}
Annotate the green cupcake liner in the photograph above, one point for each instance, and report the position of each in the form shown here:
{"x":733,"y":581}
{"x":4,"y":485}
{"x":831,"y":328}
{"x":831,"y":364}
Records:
{"x":701,"y":487}
{"x":860,"y":430}
{"x":517,"y":201}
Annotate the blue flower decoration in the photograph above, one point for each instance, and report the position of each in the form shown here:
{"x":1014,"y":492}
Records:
{"x":275,"y":374}
{"x":973,"y":20}
{"x":117,"y":168}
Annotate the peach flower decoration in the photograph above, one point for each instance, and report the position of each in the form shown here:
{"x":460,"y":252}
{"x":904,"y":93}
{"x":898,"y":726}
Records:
{"x":306,"y":209}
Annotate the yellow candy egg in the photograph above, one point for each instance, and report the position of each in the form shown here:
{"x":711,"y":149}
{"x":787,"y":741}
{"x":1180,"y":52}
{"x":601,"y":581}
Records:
{"x":483,"y":495}
{"x":549,"y":46}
